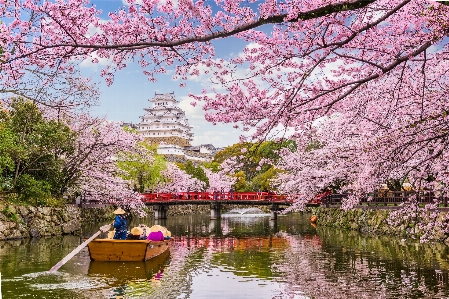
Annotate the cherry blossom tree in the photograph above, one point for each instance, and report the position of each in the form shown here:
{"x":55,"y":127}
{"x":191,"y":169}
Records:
{"x":219,"y":180}
{"x":178,"y":180}
{"x":60,"y":88}
{"x":91,"y":168}
{"x":61,"y":153}
{"x":379,"y":66}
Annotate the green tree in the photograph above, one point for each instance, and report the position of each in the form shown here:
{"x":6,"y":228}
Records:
{"x":143,"y":167}
{"x":241,"y":185}
{"x":8,"y":140}
{"x":31,"y":156}
{"x":194,"y":171}
{"x":254,"y":175}
{"x":264,"y":180}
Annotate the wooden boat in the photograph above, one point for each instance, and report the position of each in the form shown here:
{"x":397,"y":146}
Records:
{"x":126,"y":250}
{"x":129,"y":271}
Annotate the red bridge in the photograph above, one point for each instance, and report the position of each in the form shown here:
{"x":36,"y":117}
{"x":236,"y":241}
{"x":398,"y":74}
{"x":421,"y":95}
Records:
{"x":193,"y":197}
{"x":162,"y":201}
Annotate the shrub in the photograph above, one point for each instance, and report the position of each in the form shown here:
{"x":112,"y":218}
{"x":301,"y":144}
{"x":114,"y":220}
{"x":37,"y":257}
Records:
{"x":33,"y":191}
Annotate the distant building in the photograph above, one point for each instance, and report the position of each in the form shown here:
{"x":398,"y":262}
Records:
{"x":166,"y":124}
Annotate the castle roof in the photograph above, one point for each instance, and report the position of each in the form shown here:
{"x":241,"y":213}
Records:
{"x":164,"y":97}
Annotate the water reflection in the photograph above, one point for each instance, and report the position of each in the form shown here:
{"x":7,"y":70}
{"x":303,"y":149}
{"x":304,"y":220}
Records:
{"x":234,"y":257}
{"x":248,"y":212}
{"x":118,"y":273}
{"x":343,"y":264}
{"x":131,"y":278}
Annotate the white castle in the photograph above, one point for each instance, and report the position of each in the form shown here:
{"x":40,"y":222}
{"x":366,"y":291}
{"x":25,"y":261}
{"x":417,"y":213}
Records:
{"x":166,"y":124}
{"x":165,"y":120}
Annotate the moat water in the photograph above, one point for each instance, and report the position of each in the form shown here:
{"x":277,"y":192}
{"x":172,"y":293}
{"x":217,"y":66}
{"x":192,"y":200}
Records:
{"x":235,"y":257}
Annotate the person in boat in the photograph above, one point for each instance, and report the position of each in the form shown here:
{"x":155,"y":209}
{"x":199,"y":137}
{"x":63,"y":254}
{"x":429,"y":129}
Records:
{"x":145,"y":231}
{"x":120,"y":224}
{"x":135,"y":234}
{"x":156,"y":236}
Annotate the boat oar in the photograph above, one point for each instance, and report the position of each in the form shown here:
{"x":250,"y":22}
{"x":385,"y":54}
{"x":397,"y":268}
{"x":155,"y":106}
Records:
{"x":103,"y":229}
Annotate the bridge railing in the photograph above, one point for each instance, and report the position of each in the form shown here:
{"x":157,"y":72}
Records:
{"x":210,"y":196}
{"x":389,"y":198}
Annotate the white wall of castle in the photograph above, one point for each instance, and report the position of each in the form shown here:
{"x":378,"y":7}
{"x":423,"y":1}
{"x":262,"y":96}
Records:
{"x":166,"y":119}
{"x":170,"y":149}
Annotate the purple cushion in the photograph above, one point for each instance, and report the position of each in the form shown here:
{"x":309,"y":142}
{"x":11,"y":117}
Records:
{"x":156,"y":236}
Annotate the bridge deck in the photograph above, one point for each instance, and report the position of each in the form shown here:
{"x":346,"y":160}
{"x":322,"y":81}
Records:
{"x":204,"y":198}
{"x":206,"y":202}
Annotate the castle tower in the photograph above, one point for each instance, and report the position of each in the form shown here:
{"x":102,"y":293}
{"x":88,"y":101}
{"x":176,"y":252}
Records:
{"x":165,"y":122}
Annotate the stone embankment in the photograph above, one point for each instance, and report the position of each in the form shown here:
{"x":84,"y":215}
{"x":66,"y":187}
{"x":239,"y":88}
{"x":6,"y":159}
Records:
{"x":17,"y":222}
{"x":383,"y":222}
{"x":23,"y":222}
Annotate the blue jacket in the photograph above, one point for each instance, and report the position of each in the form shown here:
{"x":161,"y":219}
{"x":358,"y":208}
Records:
{"x":120,"y":226}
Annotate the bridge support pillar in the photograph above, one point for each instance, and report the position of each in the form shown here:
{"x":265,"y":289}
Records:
{"x":160,"y":211}
{"x":274,"y":212}
{"x":215,"y":210}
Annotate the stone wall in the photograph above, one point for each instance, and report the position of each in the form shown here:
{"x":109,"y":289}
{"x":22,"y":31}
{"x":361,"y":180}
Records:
{"x":23,"y":222}
{"x":17,"y":222}
{"x":169,"y":140}
{"x":374,"y":221}
{"x":97,"y":214}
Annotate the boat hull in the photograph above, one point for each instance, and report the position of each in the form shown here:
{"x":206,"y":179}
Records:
{"x":126,"y":250}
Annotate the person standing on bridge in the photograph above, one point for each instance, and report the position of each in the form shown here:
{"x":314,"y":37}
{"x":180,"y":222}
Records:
{"x":231,"y":193}
{"x":120,"y":224}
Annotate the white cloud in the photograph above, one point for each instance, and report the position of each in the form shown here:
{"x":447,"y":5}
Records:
{"x":140,"y":2}
{"x":220,"y":135}
{"x":219,"y":138}
{"x":100,"y":62}
{"x":92,"y":30}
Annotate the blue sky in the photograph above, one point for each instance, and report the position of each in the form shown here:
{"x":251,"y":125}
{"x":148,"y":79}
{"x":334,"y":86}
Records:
{"x":129,"y":95}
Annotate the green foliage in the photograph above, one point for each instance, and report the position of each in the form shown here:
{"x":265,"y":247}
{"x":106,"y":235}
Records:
{"x":143,"y":167}
{"x":32,"y":190}
{"x":31,"y":153}
{"x":10,"y":214}
{"x":194,"y":171}
{"x":213,"y":165}
{"x":263,"y":181}
{"x":241,"y":185}
{"x":394,"y":185}
{"x":252,"y":176}
{"x":314,"y":144}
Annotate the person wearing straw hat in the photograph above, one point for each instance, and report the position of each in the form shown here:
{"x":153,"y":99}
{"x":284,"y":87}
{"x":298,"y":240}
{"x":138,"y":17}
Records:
{"x":120,"y":224}
{"x":135,"y":234}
